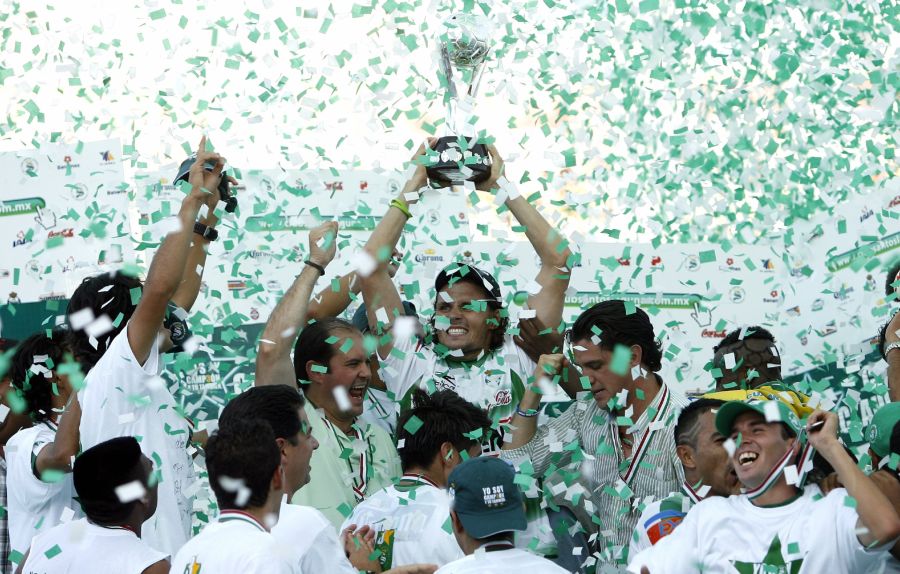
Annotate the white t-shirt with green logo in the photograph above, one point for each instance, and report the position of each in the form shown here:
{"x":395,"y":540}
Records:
{"x":411,"y":520}
{"x":809,"y":535}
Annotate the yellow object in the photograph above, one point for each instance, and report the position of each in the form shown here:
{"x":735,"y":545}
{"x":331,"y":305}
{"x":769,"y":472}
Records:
{"x":402,"y":206}
{"x":797,"y":402}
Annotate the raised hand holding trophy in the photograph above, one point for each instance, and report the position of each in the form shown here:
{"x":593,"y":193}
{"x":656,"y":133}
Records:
{"x":463,"y":51}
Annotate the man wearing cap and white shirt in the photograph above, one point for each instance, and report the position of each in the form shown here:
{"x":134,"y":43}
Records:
{"x":777,"y":525}
{"x":486,"y":508}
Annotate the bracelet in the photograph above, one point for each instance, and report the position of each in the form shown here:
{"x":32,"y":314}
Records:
{"x":316,"y":266}
{"x":402,"y":206}
{"x":890,"y":347}
{"x":530,"y":413}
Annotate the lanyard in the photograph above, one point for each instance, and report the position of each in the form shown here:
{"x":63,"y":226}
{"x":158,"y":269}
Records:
{"x":772,"y":477}
{"x":116,"y":527}
{"x":240,"y":516}
{"x":417,"y":480}
{"x":637,"y":454}
{"x":361,"y":477}
{"x":806,"y":454}
{"x":693,"y":494}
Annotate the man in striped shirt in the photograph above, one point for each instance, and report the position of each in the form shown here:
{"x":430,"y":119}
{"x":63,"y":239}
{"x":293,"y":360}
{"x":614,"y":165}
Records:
{"x":622,"y":433}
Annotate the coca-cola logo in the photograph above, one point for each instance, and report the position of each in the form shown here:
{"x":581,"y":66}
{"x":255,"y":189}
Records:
{"x":713,"y":334}
{"x":503,"y":397}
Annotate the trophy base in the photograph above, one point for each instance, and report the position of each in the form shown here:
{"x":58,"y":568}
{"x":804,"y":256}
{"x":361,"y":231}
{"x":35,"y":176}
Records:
{"x":456,"y":166}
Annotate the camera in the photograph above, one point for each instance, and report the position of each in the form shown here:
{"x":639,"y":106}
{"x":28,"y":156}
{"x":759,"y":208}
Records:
{"x":224,"y":187}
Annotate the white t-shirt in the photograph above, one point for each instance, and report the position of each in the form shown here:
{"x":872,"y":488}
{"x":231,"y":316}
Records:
{"x":235,"y":544}
{"x":659,"y":519}
{"x":513,"y":561}
{"x":810,"y":535}
{"x":495,"y":383}
{"x":34,"y":506}
{"x":412,"y":524}
{"x":80,"y":546}
{"x":310,"y":541}
{"x":122,"y":398}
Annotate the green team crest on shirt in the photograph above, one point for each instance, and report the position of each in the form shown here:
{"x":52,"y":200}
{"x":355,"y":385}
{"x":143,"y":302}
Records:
{"x":384,"y":548}
{"x":773,"y":563}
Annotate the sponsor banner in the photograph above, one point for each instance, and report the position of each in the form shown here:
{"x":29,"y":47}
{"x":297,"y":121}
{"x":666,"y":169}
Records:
{"x":64,"y":216}
{"x":818,"y":285}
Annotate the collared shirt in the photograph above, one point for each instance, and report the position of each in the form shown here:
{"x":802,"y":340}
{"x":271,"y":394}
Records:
{"x":616,"y":484}
{"x":345,"y":469}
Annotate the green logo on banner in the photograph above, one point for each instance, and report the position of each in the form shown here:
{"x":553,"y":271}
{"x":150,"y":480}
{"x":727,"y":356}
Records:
{"x":846,"y":259}
{"x":585,"y":299}
{"x":305,"y":222}
{"x":24,"y":206}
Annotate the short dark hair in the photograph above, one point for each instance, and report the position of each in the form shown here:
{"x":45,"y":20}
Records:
{"x":688,"y":425}
{"x":36,"y":389}
{"x":313,"y":345}
{"x":107,"y":294}
{"x":275,"y":404}
{"x":101,"y":469}
{"x":893,"y":275}
{"x":619,"y":327}
{"x":245,"y":451}
{"x":440,"y":417}
{"x":754,"y":332}
{"x":498,"y":335}
{"x":882,"y":337}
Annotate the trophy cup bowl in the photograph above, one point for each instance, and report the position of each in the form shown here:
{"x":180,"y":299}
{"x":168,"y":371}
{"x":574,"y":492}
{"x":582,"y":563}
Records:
{"x":463,"y":50}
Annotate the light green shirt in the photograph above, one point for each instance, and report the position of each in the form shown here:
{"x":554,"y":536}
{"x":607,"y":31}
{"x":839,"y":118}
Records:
{"x":346,"y":468}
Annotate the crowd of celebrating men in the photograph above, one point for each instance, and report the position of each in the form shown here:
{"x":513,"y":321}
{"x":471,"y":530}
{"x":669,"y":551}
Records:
{"x":383,"y":444}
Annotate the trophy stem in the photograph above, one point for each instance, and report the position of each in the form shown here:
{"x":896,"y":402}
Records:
{"x":476,"y":80}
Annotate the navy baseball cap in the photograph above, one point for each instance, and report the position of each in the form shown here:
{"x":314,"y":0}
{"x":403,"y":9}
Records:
{"x":484,"y":495}
{"x":461,"y":272}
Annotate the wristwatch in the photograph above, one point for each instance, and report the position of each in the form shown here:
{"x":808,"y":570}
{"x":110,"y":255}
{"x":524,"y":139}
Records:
{"x":205,"y":231}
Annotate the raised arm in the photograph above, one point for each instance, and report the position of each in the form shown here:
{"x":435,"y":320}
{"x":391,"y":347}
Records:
{"x":878,"y":521}
{"x":58,"y":455}
{"x":331,"y":302}
{"x":187,"y":292}
{"x":548,"y":243}
{"x":273,"y":360}
{"x":383,"y":303}
{"x":892,"y":335}
{"x":524,"y":422}
{"x":167,"y":266}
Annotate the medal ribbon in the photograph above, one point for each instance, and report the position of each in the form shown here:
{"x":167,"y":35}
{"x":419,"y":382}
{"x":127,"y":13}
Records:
{"x":361,"y":477}
{"x":418,"y":479}
{"x":638,"y":453}
{"x":690,"y":492}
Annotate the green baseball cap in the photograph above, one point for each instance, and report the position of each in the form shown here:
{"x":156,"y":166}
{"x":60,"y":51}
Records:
{"x":882,"y":426}
{"x":484,"y":495}
{"x":774,"y":411}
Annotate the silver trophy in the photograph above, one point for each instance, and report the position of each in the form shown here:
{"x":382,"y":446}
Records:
{"x":463,"y":50}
